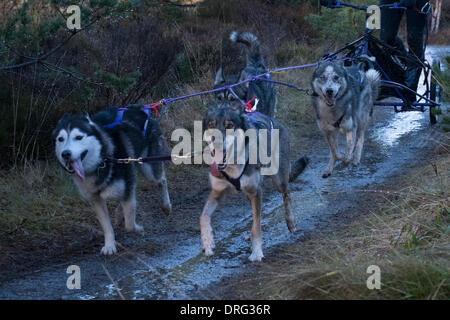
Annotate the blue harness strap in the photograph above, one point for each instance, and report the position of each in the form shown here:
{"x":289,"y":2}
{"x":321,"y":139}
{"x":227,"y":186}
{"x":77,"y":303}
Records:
{"x":119,"y":118}
{"x":147,"y":112}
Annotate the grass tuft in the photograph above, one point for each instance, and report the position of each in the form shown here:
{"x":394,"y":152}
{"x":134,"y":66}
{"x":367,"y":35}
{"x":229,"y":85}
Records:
{"x":407,"y":237}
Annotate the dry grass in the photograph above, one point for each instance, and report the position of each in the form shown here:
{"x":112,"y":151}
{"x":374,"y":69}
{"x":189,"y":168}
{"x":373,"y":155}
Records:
{"x":407,"y":237}
{"x":40,"y":200}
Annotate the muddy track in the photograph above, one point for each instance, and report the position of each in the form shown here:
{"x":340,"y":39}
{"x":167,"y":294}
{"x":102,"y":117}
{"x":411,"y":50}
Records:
{"x":167,"y":263}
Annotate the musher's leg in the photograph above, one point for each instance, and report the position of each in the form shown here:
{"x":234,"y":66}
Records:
{"x":416,"y":24}
{"x":390,"y":20}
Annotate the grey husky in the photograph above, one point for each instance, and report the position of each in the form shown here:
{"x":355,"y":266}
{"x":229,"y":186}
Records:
{"x":83,"y":147}
{"x":343,"y":100}
{"x":231,"y":176}
{"x":264,"y":91}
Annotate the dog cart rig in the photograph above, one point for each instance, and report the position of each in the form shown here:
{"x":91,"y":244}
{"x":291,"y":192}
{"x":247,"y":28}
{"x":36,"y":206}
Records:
{"x":371,"y":52}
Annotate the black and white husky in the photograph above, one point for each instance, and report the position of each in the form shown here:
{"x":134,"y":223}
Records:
{"x":83,"y":146}
{"x":264,"y":91}
{"x":343,"y":101}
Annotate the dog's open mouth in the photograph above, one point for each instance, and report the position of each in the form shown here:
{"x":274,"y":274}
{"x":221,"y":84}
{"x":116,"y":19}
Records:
{"x":215,"y":167}
{"x":76,"y":166}
{"x":330,"y":100}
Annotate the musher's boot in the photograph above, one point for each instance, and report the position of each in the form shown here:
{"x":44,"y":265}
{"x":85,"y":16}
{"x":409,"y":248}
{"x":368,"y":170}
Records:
{"x":412,"y":76}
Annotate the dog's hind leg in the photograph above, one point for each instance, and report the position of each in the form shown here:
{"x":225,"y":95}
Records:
{"x":283,"y":188}
{"x":331,"y":139}
{"x":156,"y":174}
{"x":166,"y":206}
{"x":129,"y":214}
{"x":256,"y":200}
{"x":350,"y":136}
{"x":205,"y":221}
{"x":359,"y":146}
{"x":101,"y":210}
{"x":290,"y":217}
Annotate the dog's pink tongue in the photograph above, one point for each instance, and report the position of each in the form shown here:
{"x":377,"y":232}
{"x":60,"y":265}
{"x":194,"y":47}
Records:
{"x":77,"y":165}
{"x":214,"y":169}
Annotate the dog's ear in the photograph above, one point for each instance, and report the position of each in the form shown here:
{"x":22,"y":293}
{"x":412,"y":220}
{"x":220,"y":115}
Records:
{"x":243,"y":76}
{"x":205,"y":119}
{"x":60,"y":122}
{"x":219,"y":77}
{"x":64,"y":117}
{"x":321,"y":62}
{"x":86,"y":115}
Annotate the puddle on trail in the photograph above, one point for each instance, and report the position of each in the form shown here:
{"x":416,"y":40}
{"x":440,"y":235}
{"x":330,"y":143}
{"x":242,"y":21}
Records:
{"x":402,"y":123}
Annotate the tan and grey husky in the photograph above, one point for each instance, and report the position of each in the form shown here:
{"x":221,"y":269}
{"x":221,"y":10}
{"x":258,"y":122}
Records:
{"x":228,"y":175}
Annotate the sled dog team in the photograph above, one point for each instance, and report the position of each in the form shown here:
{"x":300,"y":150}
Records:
{"x":343,"y":98}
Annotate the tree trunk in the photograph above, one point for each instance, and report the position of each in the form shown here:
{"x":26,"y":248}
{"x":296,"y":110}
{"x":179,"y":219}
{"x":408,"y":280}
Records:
{"x":436,"y":16}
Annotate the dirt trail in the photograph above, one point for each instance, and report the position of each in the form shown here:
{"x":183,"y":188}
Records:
{"x":167,"y":262}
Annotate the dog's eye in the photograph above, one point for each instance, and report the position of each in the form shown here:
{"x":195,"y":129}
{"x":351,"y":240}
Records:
{"x":220,"y":97}
{"x":335,"y":78}
{"x":231,"y":97}
{"x":78,"y":137}
{"x":60,"y":139}
{"x":322,"y":78}
{"x":229,"y":125}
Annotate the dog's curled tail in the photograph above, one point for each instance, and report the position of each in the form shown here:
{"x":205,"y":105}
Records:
{"x":374,"y":78}
{"x":297,"y":167}
{"x":254,"y":56}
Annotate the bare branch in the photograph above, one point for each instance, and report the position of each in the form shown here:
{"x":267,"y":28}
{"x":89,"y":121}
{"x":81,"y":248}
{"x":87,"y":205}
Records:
{"x":73,"y":74}
{"x":50,"y":52}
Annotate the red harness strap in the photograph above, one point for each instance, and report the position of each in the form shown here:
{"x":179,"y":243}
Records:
{"x":155,"y":107}
{"x":248,"y":105}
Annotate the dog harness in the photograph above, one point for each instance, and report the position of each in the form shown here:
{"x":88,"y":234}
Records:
{"x":236,"y":182}
{"x":147,"y":108}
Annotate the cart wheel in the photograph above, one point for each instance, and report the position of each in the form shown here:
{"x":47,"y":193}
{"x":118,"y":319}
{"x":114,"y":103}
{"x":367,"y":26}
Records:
{"x":435,"y":91}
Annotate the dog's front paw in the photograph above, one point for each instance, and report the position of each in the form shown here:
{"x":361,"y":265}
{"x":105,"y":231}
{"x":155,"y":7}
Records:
{"x":326,"y":174}
{"x":355,"y":163}
{"x":291,"y":227}
{"x":208,"y":246}
{"x":135,"y":228}
{"x":290,"y":223}
{"x":256,"y":255}
{"x":167,"y":208}
{"x":138,"y":229}
{"x":208,"y":251}
{"x":109,"y":249}
{"x":346,"y":162}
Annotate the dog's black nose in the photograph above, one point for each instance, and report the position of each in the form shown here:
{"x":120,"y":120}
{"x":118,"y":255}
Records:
{"x":66,"y":154}
{"x":329,"y":92}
